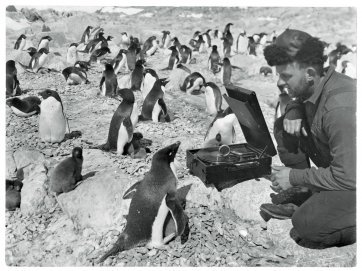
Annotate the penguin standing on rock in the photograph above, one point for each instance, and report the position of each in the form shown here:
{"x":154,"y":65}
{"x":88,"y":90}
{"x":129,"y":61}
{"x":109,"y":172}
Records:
{"x":214,"y":60}
{"x":44,"y":43}
{"x":52,"y":119}
{"x":173,"y":60}
{"x":12,"y":82}
{"x":67,"y":173}
{"x":24,"y":107}
{"x":137,"y":75}
{"x":154,"y":107}
{"x":213,"y":98}
{"x":122,"y":124}
{"x":20,"y":43}
{"x":108,"y":84}
{"x":75,"y":76}
{"x":193,"y":83}
{"x":155,"y":197}
{"x":221,"y":130}
{"x":72,"y":53}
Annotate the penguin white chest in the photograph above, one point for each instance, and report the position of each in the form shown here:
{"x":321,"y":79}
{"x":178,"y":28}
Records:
{"x":44,"y":44}
{"x":51,"y":121}
{"x":158,"y":223}
{"x":210,"y":100}
{"x":167,"y":41}
{"x":42,"y":60}
{"x":148,"y":83}
{"x":22,"y":44}
{"x":134,"y":115}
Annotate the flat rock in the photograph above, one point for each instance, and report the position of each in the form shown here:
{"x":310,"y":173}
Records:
{"x":10,"y":165}
{"x":24,"y":158}
{"x":97,"y":202}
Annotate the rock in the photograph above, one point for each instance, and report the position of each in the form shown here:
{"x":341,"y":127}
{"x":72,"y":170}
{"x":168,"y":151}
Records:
{"x":24,"y":158}
{"x":11,"y":9}
{"x":95,"y":160}
{"x":245,"y":198}
{"x":10,"y":165}
{"x":96,"y":202}
{"x":33,"y":192}
{"x":55,"y":62}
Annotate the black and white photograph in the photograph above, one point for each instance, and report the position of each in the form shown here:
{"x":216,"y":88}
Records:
{"x":180,"y":134}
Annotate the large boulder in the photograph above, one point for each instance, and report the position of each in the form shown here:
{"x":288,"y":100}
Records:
{"x":24,"y":158}
{"x":97,"y":202}
{"x":11,"y":9}
{"x":31,"y":15}
{"x":34,"y":190}
{"x":246,"y":197}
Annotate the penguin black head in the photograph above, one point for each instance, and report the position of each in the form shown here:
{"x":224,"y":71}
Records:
{"x":89,"y":27}
{"x":140,"y":63}
{"x":166,"y":154}
{"x":107,"y":50}
{"x":214,"y":47}
{"x":43,"y":51}
{"x":124,"y":33}
{"x":226,"y":61}
{"x":209,"y":84}
{"x":152,"y":72}
{"x":49,"y":93}
{"x":10,"y":64}
{"x":126,"y":94}
{"x":109,"y":38}
{"x":172,"y":48}
{"x":137,"y":136}
{"x":22,"y":36}
{"x":74,"y":44}
{"x":47,"y":37}
{"x":164,"y":81}
{"x":77,"y":153}
{"x":208,"y":31}
{"x":31,"y":51}
{"x":13,"y":101}
{"x":108,"y":67}
{"x":196,"y":34}
{"x":165,"y":32}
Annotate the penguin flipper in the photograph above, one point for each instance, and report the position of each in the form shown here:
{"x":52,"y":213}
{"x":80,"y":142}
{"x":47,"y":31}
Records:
{"x":130,"y":191}
{"x":177,"y":212}
{"x":129,"y":127}
{"x":162,"y":103}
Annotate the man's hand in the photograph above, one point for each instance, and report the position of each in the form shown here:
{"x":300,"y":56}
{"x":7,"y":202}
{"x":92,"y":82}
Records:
{"x":280,"y":178}
{"x":294,"y":127}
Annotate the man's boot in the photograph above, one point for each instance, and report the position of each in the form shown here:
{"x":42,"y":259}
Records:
{"x":281,"y":211}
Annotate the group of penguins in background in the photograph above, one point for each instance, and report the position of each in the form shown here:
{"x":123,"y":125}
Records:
{"x":150,"y":208}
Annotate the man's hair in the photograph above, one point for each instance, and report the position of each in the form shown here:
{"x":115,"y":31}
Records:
{"x":311,"y":53}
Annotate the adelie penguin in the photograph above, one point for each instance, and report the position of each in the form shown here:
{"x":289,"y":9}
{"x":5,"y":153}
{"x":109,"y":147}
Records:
{"x":24,"y":107}
{"x":86,"y":34}
{"x":31,"y":51}
{"x":173,"y":60}
{"x":214,"y":60}
{"x":67,"y":173}
{"x":193,"y":83}
{"x":154,"y":107}
{"x":72,"y":54}
{"x":44,"y":43}
{"x":184,"y":51}
{"x":20,"y":43}
{"x":213,"y":98}
{"x":149,"y":79}
{"x":131,"y":55}
{"x":155,"y":197}
{"x":37,"y":61}
{"x":122,"y":124}
{"x":206,"y":37}
{"x":13,"y":195}
{"x":242,"y":43}
{"x":137,"y":75}
{"x":166,"y":39}
{"x":85,"y":65}
{"x":52,"y":122}
{"x":225,"y":72}
{"x":99,"y":54}
{"x":149,"y":47}
{"x":120,"y":61}
{"x":221,"y":130}
{"x":12,"y":82}
{"x":108,"y":84}
{"x":75,"y":76}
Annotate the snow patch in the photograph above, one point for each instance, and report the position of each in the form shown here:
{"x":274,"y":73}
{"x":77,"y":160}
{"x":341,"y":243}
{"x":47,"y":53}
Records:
{"x":193,"y":15}
{"x":127,"y":11}
{"x":266,"y":19}
{"x":148,"y":15}
{"x":14,"y":25}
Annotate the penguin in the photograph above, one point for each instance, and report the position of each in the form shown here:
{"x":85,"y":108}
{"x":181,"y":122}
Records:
{"x":252,"y":46}
{"x":37,"y":61}
{"x":86,"y":34}
{"x":206,"y":37}
{"x":147,"y":45}
{"x":12,"y":82}
{"x":155,"y":197}
{"x":13,"y":195}
{"x":99,"y":54}
{"x":149,"y":79}
{"x":136,"y":43}
{"x":176,"y":42}
{"x":122,"y":123}
{"x":72,"y":53}
{"x":193,"y":83}
{"x":217,"y":34}
{"x":137,"y":75}
{"x":108,"y":84}
{"x":131,"y":56}
{"x":242,"y":43}
{"x":44,"y":43}
{"x":52,"y":119}
{"x":263,"y":38}
{"x":186,"y":54}
{"x":225,"y":72}
{"x":20,"y":43}
{"x":82,"y":64}
{"x":154,"y":107}
{"x":265,"y":70}
{"x":213,"y":98}
{"x":24,"y":107}
{"x":214,"y":60}
{"x":134,"y":148}
{"x":94,"y":44}
{"x":95,"y":33}
{"x":67,"y":173}
{"x":166,"y":39}
{"x":125,"y":40}
{"x":227,"y":34}
{"x":120,"y":61}
{"x":221,"y":130}
{"x":104,"y":43}
{"x":75,"y":76}
{"x":31,"y":51}
{"x":182,"y":67}
{"x":199,"y":44}
{"x":173,"y":60}
{"x":193,"y":41}
{"x":226,"y":47}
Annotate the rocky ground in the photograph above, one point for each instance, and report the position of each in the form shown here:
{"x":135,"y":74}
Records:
{"x":225,"y":227}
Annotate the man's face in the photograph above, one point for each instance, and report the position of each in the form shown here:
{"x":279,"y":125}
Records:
{"x":293,"y":76}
